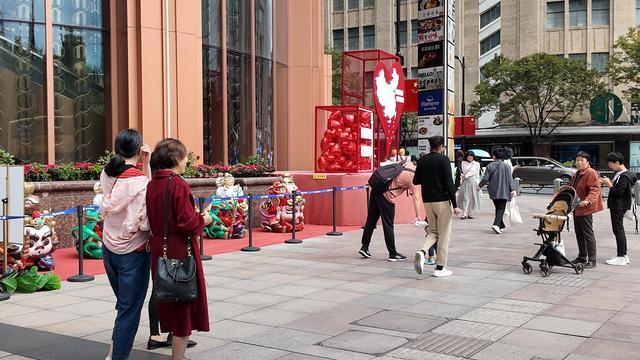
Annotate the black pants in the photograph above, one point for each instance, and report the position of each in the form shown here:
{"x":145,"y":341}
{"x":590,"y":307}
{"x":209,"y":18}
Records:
{"x":583,"y":226}
{"x":501,"y":205}
{"x":380,"y":207}
{"x":154,"y":322}
{"x":617,"y":224}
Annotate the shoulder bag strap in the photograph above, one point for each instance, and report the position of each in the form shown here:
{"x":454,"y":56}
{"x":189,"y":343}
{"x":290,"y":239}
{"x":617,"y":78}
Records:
{"x":165,"y":225}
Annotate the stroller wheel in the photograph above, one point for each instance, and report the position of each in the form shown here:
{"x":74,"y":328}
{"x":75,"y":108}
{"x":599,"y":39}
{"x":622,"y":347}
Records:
{"x":527,"y":268}
{"x":579,"y":268}
{"x":544,"y":270}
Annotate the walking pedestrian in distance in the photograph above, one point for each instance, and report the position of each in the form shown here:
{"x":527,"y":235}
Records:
{"x":458,"y":164}
{"x":183,"y":225}
{"x":469,"y":196}
{"x":126,"y":233}
{"x":434,"y":176}
{"x":619,"y":202}
{"x":588,"y":188}
{"x":501,"y":188}
{"x":381,"y":205}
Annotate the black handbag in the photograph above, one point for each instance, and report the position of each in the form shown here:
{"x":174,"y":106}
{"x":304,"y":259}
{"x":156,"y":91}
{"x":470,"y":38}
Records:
{"x":175,"y":279}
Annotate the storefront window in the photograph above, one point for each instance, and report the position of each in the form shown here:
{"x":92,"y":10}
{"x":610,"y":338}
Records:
{"x":23,"y":124}
{"x":264,"y":80}
{"x":79,"y":74}
{"x":213,"y":136}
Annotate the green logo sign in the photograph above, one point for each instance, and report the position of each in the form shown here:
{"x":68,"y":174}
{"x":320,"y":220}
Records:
{"x":605,"y":109}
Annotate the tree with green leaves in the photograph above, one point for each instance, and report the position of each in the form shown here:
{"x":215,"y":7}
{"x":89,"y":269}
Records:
{"x":624,"y":64}
{"x":408,"y":128}
{"x":336,"y":74}
{"x":539,"y":92}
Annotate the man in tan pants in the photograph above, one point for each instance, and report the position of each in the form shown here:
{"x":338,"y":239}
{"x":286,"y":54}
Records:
{"x":434,"y":176}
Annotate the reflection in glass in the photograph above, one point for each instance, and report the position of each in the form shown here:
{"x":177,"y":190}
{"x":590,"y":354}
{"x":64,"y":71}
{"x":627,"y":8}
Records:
{"x":23,"y":130}
{"x":264,"y":109}
{"x":264,"y":19}
{"x":212,"y":102}
{"x":211,"y":27}
{"x":238,"y":25}
{"x":239,"y":107}
{"x":79,"y":74}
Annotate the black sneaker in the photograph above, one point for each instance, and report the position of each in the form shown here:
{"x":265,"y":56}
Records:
{"x":590,"y":265}
{"x":579,"y":260}
{"x":397,"y":257}
{"x":364,"y":253}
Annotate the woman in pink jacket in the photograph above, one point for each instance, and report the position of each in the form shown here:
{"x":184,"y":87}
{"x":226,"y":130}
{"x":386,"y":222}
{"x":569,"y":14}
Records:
{"x":126,"y":235}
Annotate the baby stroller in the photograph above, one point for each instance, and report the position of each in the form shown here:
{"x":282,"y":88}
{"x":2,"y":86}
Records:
{"x":550,"y":229}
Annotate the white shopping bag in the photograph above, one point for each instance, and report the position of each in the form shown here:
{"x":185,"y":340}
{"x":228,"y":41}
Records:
{"x":514,"y":212}
{"x":560,"y":247}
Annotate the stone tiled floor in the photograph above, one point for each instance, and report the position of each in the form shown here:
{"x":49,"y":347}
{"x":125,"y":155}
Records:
{"x":320,"y":300}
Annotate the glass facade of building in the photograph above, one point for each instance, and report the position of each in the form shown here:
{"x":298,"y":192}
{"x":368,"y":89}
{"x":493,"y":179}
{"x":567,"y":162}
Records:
{"x":79,"y":43}
{"x":240,"y":90}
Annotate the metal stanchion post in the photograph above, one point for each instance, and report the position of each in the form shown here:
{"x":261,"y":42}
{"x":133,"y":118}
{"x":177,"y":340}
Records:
{"x":81,"y":277}
{"x":250,"y":248}
{"x":293,"y":239}
{"x":202,"y":255}
{"x":5,"y":243}
{"x":368,"y":193}
{"x":334,"y":232}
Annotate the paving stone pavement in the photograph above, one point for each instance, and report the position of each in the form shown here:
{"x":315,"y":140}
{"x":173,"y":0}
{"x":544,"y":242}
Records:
{"x":320,"y":300}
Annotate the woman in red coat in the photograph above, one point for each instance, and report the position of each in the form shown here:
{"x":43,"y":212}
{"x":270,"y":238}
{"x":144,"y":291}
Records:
{"x":184,"y":224}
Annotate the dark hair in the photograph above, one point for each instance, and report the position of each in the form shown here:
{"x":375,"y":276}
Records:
{"x":583,"y":154}
{"x":127,"y":145}
{"x":167,"y":154}
{"x":498,"y":153}
{"x":508,"y":153}
{"x":470,"y":153}
{"x":435,"y":142}
{"x":614,"y":157}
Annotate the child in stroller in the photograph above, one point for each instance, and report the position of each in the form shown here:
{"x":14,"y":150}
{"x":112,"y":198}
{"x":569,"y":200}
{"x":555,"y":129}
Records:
{"x":550,"y":229}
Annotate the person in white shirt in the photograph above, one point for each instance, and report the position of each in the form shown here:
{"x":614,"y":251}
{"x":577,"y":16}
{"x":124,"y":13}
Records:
{"x":468,"y":196}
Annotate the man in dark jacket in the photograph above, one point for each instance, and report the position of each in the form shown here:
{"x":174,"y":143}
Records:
{"x":619,"y":202}
{"x":439,"y":196}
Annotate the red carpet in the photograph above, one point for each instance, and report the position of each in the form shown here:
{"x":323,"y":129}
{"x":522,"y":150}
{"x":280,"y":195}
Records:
{"x":66,"y":260}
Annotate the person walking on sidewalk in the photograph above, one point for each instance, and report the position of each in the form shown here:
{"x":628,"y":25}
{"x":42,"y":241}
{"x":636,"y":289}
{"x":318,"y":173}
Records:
{"x":619,"y":202}
{"x":434,"y":175}
{"x":587,"y":186}
{"x":126,"y":232}
{"x":381,"y":205}
{"x":469,"y":196}
{"x":500,"y":186}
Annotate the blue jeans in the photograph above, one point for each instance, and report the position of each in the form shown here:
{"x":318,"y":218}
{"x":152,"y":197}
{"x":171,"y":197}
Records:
{"x":129,"y":273}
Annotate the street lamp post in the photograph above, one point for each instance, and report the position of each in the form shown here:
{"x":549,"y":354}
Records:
{"x":463,"y":105}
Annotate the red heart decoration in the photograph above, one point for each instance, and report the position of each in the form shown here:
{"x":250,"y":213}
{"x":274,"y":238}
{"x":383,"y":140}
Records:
{"x":334,"y":167}
{"x":334,"y":124}
{"x":344,"y":135}
{"x":322,"y":163}
{"x":388,"y":89}
{"x":349,"y":119}
{"x":324,"y":144}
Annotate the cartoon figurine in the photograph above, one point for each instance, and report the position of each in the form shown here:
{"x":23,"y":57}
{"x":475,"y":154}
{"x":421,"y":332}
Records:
{"x":92,"y":229}
{"x":228,"y":216}
{"x":277,"y":214}
{"x":40,"y":241}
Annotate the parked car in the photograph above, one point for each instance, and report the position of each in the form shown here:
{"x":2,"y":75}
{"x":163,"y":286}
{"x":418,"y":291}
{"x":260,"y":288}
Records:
{"x":540,"y":170}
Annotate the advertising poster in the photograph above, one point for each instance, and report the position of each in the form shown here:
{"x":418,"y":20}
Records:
{"x":430,"y":8}
{"x":451,"y":103}
{"x":451,"y":31}
{"x":451,"y":77}
{"x":430,"y":125}
{"x":431,"y":30}
{"x":423,"y":146}
{"x":431,"y":54}
{"x":431,"y":102}
{"x":431,"y":78}
{"x":451,"y":54}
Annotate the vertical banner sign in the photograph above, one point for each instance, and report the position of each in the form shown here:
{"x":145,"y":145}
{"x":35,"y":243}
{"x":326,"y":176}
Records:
{"x":388,"y":87}
{"x":436,"y":70}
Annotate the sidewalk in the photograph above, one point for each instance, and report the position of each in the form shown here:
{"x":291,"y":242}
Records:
{"x":320,"y":300}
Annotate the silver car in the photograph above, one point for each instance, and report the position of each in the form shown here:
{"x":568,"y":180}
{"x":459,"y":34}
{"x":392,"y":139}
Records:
{"x":540,"y":170}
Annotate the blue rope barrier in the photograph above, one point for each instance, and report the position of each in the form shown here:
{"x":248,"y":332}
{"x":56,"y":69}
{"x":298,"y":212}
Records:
{"x":11,"y":217}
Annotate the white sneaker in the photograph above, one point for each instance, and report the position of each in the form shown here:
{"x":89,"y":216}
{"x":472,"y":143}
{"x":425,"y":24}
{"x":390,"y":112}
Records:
{"x":420,"y":223}
{"x":442,"y":273}
{"x":617,"y":261}
{"x":627,"y":259}
{"x":418,"y":262}
{"x":496,"y":229}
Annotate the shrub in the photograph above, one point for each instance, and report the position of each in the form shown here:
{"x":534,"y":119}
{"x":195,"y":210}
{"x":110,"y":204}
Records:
{"x":6,"y":158}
